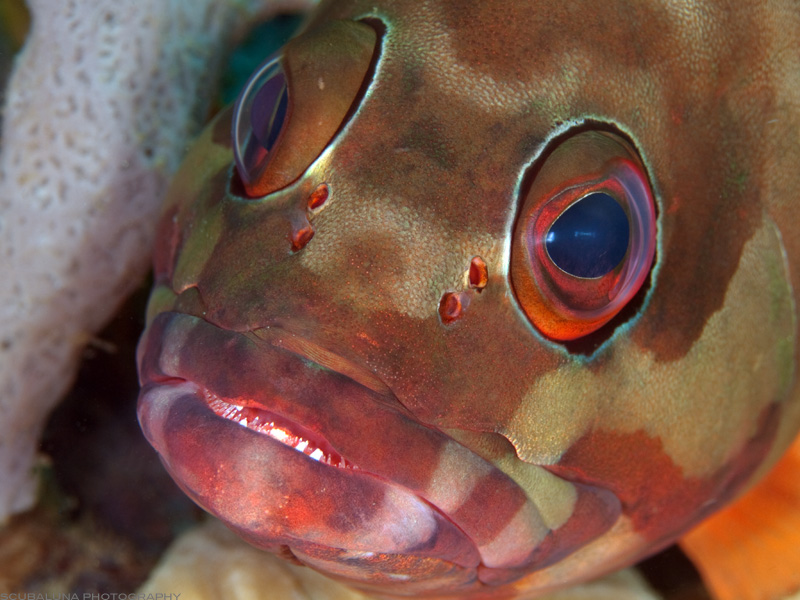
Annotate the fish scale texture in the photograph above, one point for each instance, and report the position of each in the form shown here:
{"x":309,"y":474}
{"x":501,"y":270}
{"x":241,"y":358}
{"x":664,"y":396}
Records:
{"x":99,"y":109}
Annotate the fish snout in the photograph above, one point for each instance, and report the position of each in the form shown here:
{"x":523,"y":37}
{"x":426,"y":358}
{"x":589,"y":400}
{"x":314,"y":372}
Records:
{"x":298,"y":457}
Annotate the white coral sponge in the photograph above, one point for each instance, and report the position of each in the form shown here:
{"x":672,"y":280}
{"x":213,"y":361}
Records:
{"x":98,"y":112}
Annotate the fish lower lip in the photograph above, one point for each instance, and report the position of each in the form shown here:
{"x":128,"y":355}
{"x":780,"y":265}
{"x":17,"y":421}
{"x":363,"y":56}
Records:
{"x":279,"y":428}
{"x":274,"y":496}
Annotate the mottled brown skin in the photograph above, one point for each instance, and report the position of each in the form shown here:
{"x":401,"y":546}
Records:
{"x":694,"y":393}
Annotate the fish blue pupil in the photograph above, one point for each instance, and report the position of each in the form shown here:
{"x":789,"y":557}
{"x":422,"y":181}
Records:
{"x":590,"y":238}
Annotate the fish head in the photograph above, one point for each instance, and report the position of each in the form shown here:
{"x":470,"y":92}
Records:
{"x":470,"y":301}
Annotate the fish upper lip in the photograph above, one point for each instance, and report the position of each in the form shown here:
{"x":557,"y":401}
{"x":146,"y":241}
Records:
{"x":265,"y":419}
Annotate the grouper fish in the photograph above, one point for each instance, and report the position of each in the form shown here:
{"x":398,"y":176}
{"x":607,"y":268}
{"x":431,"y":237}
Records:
{"x":481,"y":299}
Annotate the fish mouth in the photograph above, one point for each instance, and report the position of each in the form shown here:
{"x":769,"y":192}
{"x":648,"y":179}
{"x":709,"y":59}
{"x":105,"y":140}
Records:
{"x":296,"y":457}
{"x":280,"y":429}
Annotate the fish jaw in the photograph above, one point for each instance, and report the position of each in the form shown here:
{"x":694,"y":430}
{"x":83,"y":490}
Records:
{"x":306,"y":462}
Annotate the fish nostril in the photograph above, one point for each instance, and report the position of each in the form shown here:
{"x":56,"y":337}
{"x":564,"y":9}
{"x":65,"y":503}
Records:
{"x":318,"y":196}
{"x":301,"y":237}
{"x":451,"y":306}
{"x":478,"y":274}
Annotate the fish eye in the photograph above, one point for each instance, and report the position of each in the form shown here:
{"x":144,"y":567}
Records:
{"x":259,"y":118}
{"x":293,"y":106}
{"x":585,"y":237}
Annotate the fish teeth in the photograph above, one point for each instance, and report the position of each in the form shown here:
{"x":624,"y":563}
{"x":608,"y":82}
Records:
{"x":257,"y":420}
{"x":279,"y":434}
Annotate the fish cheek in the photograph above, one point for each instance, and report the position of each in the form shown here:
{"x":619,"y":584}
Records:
{"x":655,"y":493}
